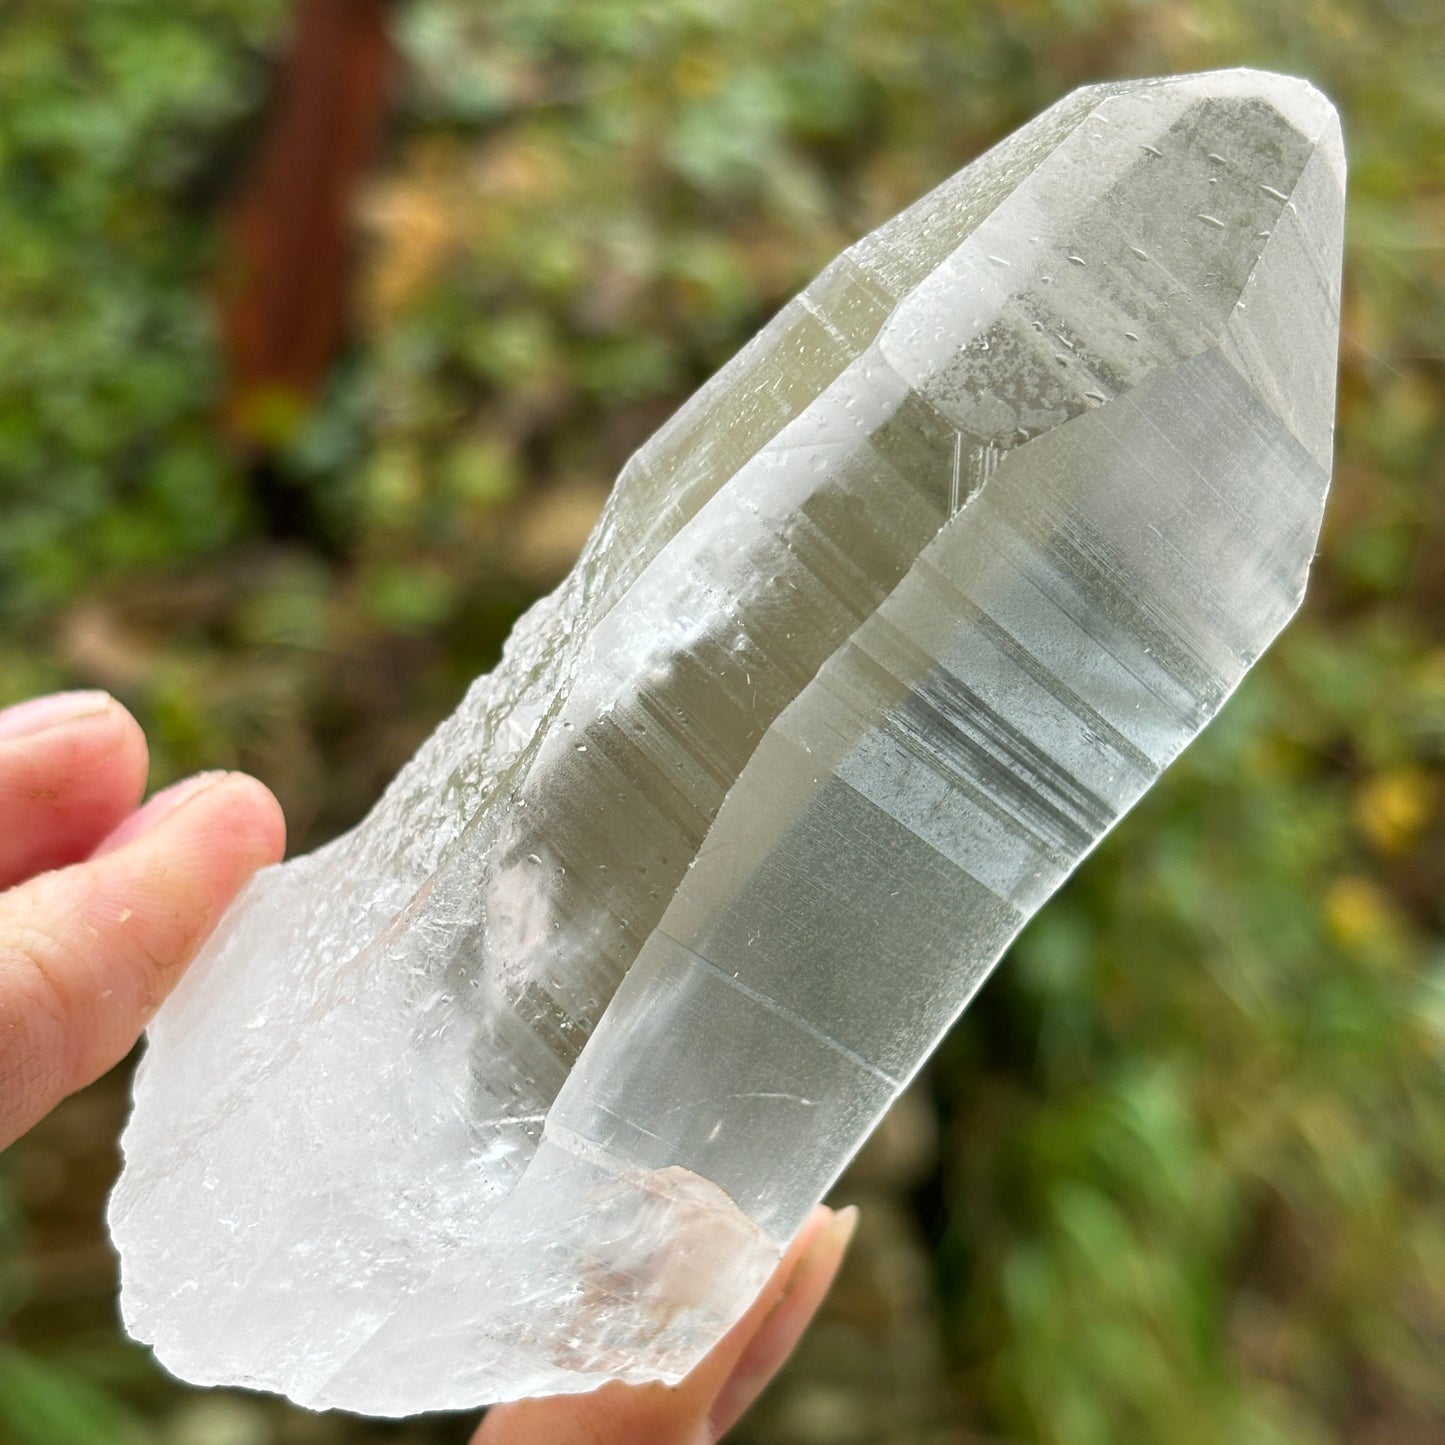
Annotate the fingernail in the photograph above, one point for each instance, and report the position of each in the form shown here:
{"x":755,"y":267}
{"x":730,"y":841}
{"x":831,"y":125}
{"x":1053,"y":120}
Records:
{"x":26,"y":718}
{"x":783,"y":1328}
{"x":159,"y":807}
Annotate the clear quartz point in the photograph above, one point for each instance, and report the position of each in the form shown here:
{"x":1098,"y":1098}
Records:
{"x":524,"y":1084}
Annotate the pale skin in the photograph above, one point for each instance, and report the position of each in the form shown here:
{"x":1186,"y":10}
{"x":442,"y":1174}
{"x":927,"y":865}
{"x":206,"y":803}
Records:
{"x":104,"y":899}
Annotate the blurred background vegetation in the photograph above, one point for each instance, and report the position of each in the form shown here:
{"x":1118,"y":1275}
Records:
{"x":1177,"y":1175}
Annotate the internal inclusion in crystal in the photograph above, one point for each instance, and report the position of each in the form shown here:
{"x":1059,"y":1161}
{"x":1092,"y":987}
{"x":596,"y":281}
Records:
{"x":523,"y":1084}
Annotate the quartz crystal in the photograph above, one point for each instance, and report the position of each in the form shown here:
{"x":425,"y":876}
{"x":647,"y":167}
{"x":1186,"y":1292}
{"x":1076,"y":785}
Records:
{"x":524,"y":1084}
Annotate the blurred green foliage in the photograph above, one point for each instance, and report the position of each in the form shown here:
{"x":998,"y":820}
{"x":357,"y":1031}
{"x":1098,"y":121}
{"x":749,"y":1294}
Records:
{"x":1189,"y":1184}
{"x":108,"y":127}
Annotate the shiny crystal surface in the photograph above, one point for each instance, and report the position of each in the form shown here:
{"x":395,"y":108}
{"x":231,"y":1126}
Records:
{"x":524,"y":1084}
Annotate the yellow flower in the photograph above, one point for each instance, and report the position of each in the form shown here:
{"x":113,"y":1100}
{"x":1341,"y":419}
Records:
{"x":1392,"y":807}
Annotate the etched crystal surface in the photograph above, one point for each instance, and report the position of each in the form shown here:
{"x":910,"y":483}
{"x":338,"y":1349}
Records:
{"x":523,"y":1085}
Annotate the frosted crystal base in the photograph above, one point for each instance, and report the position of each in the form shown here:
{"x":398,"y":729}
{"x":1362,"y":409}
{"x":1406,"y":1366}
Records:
{"x":524,"y":1084}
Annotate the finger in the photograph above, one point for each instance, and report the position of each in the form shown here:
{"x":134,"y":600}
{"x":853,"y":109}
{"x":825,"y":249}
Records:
{"x":764,"y":1354}
{"x":87,"y":953}
{"x":72,"y":766}
{"x":732,"y":1374}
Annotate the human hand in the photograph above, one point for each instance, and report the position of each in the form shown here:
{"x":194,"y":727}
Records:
{"x":699,"y":1409}
{"x":102,"y":905}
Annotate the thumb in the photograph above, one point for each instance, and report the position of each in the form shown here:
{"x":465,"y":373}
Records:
{"x":713,"y":1397}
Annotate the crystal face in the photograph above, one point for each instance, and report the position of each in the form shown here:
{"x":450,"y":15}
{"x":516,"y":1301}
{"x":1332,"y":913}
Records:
{"x":524,"y":1084}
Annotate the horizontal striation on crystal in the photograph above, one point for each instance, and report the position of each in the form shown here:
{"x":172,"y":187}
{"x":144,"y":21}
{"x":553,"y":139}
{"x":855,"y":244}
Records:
{"x":524,"y":1084}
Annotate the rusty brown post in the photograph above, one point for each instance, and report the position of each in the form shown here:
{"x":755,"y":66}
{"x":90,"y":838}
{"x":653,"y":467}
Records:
{"x":285,"y":290}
